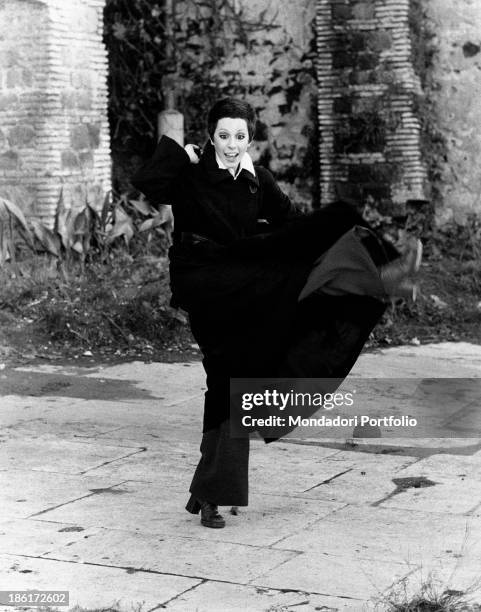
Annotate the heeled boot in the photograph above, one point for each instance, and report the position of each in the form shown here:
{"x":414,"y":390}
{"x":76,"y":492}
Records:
{"x":398,"y":276}
{"x":209,"y":516}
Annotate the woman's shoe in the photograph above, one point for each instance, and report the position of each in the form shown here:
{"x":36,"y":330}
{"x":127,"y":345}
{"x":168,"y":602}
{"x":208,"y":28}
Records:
{"x":413,"y":256}
{"x":209,"y":517}
{"x":397,"y":276}
{"x":407,"y":289}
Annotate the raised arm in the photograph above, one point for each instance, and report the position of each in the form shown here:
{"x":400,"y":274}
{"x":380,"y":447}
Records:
{"x":156,"y":179}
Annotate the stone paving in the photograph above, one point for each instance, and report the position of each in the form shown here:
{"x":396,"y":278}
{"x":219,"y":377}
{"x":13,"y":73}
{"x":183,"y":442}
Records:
{"x":95,"y":464}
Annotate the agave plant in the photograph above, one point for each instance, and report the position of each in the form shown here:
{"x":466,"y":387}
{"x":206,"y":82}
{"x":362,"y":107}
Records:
{"x":123,"y":225}
{"x":49,"y":240}
{"x":159,"y":220}
{"x":78,"y":233}
{"x":11,"y":219}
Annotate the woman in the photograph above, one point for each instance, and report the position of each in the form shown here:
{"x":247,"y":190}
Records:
{"x":269,"y":291}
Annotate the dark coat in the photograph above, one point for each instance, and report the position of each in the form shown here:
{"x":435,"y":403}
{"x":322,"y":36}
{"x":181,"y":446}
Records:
{"x":207,"y":200}
{"x":239,"y":278}
{"x":219,"y":250}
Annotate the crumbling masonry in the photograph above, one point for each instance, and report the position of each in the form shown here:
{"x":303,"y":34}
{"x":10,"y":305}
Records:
{"x":54,"y":136}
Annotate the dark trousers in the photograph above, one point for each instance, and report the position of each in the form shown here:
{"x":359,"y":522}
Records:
{"x":221,"y":476}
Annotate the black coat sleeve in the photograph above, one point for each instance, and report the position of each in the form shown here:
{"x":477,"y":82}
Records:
{"x":157,"y":178}
{"x":276,"y":207}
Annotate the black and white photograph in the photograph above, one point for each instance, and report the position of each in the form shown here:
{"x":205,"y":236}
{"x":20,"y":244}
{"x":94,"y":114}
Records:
{"x":240,"y":305}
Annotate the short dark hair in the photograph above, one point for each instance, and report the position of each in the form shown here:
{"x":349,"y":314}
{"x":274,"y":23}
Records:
{"x":234,"y":109}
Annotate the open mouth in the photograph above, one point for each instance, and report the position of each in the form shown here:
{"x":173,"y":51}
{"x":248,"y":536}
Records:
{"x":231,"y":156}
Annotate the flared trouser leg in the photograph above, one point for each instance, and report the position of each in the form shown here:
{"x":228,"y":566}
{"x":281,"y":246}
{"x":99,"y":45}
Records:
{"x":221,"y":476}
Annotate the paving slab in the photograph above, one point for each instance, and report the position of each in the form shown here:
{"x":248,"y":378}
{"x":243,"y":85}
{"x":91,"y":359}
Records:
{"x":154,"y":436}
{"x":92,"y":586}
{"x":302,"y":470}
{"x":35,"y":537}
{"x":156,"y":508}
{"x":60,"y":456}
{"x":137,"y":506}
{"x":161,"y":423}
{"x":172,"y":461}
{"x":335,"y":576}
{"x":295,"y":470}
{"x":446,"y":466}
{"x":443,"y":360}
{"x":102,"y":419}
{"x":404,"y":536}
{"x":17,"y":409}
{"x":161,"y":513}
{"x":419,"y":447}
{"x":45,"y":428}
{"x":222,"y":597}
{"x":207,"y":559}
{"x":367,"y":481}
{"x":267,"y":519}
{"x":442,"y":408}
{"x":170,"y":382}
{"x":31,"y":381}
{"x":376,"y":460}
{"x":114,"y":413}
{"x":461,"y":496}
{"x":28,"y":492}
{"x":116,"y":424}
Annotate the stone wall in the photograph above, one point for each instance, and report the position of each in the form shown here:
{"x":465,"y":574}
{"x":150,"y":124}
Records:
{"x":272,"y":67}
{"x":284,"y":89}
{"x":456,"y":101}
{"x":54,"y":135}
{"x":369,"y":131}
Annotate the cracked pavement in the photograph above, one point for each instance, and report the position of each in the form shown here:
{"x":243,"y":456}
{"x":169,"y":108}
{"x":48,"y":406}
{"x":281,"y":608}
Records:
{"x":95,"y":465}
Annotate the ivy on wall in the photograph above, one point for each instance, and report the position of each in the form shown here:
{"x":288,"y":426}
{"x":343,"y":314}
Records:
{"x":134,"y":34}
{"x":201,"y":51}
{"x":153,"y":51}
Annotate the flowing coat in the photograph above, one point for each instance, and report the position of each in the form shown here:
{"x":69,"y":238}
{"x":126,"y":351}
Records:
{"x":240,"y":257}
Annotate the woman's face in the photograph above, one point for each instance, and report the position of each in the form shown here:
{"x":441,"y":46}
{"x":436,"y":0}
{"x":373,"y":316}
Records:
{"x":231,"y":139}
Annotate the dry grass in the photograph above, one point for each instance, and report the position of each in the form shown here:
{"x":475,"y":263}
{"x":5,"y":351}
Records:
{"x":122,"y":304}
{"x":432,"y":596}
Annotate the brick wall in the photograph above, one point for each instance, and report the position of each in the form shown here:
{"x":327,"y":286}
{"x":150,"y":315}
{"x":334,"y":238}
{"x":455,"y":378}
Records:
{"x":53,"y":125}
{"x":369,"y":132}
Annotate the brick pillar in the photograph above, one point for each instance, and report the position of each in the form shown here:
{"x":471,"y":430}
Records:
{"x":54,"y":135}
{"x":369,"y":133}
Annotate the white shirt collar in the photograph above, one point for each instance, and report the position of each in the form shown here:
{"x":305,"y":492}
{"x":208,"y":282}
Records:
{"x":245,"y":164}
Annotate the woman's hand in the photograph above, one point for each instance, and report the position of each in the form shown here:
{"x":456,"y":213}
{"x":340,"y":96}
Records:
{"x":193,"y":151}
